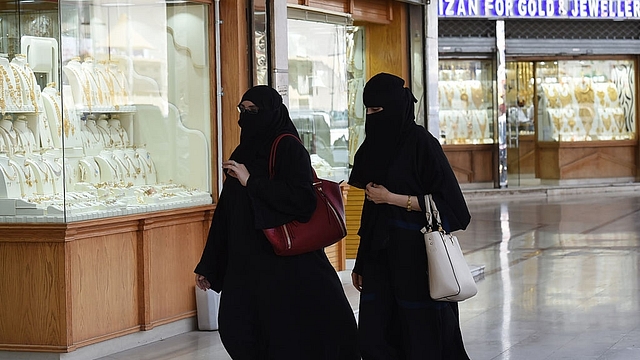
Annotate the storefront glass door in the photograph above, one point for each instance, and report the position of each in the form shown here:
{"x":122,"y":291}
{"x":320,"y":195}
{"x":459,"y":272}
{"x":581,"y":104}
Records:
{"x":521,"y":154}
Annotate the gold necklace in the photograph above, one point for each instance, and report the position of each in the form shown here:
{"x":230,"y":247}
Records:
{"x":136,"y":168}
{"x":23,"y":138}
{"x":606,"y":120}
{"x":86,"y":86}
{"x":98,"y":87}
{"x":565,"y":99}
{"x":122,"y":84}
{"x":482,"y":124}
{"x":448,"y":91}
{"x":90,"y":130}
{"x":124,"y":166}
{"x":108,"y":80}
{"x":3,"y":103}
{"x":121,"y":134}
{"x":6,"y":173}
{"x":612,"y":92}
{"x":116,"y":173}
{"x":51,"y":164}
{"x":45,"y":172}
{"x":583,"y":94}
{"x":28,"y":83}
{"x":105,"y":134}
{"x":14,"y":93}
{"x":476,"y":95}
{"x":147,"y":163}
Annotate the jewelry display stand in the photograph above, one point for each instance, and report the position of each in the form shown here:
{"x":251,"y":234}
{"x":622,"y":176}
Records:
{"x":465,"y":112}
{"x":581,"y":110}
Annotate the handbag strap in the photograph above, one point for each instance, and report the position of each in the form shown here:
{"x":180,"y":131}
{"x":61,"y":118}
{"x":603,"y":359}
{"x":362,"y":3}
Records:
{"x":432,"y":214}
{"x":272,"y":156}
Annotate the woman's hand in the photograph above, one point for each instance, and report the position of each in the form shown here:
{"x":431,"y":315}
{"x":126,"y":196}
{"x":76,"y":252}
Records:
{"x":356,"y":280}
{"x":237,"y":170}
{"x":377,"y":193}
{"x":202,"y":282}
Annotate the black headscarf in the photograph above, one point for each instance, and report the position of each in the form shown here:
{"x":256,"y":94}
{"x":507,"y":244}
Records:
{"x":260,"y":130}
{"x":384,"y":130}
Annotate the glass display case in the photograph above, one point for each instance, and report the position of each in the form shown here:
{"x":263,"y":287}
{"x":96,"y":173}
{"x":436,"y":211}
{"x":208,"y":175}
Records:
{"x":586,"y":100}
{"x":326,"y":79}
{"x":98,"y":118}
{"x":465,"y":93}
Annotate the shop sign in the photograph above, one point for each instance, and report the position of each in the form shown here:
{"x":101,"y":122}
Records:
{"x":561,"y":9}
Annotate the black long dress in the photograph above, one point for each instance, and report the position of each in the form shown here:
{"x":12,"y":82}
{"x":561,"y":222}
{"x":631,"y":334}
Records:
{"x":398,"y":318}
{"x":274,"y":307}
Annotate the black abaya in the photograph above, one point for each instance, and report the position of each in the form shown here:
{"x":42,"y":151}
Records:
{"x":398,"y":319}
{"x":274,"y":307}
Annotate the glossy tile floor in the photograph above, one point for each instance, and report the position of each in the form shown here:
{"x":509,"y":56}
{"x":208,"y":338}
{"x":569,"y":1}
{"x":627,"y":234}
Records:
{"x":561,"y":282}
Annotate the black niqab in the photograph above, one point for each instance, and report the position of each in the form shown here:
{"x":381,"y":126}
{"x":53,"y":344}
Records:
{"x":260,"y":130}
{"x":384,"y":130}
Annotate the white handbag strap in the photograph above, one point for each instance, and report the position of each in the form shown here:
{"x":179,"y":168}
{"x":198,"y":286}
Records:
{"x":432,"y":214}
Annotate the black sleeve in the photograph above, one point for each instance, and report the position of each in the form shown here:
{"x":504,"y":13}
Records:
{"x":440,"y":181}
{"x":213,"y":262}
{"x":289,"y":195}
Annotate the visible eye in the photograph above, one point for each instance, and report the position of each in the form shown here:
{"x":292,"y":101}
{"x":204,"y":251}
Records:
{"x":374,"y":109}
{"x":251,"y":109}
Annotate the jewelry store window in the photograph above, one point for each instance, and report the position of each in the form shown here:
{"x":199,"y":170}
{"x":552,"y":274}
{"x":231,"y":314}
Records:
{"x":326,"y":78}
{"x":465,"y":93}
{"x":100,"y":119}
{"x":586,"y":100}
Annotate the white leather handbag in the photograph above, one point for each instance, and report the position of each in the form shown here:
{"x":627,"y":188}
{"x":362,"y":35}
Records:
{"x":450,"y":278}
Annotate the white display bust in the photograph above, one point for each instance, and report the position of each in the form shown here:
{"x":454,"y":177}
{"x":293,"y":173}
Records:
{"x":10,"y":179}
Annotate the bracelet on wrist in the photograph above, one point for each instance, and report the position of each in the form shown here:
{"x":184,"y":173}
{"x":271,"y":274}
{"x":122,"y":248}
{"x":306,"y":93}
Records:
{"x":409,"y":203}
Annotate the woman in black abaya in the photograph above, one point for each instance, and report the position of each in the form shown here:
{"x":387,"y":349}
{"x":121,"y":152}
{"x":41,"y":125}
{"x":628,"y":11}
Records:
{"x":398,"y":163}
{"x":272,"y":307}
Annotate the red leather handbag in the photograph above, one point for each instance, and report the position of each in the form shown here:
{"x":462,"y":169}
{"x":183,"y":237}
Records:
{"x":326,"y":226}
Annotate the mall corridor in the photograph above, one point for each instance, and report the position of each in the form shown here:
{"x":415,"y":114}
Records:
{"x":561,"y":281}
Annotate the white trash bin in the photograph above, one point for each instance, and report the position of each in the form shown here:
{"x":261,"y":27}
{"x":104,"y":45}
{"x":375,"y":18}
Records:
{"x":207,"y":305}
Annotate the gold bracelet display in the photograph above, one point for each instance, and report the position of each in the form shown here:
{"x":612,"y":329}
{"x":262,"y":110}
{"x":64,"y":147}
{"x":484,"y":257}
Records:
{"x":408,"y":202}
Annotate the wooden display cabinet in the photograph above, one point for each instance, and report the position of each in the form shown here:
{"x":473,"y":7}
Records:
{"x":68,"y":285}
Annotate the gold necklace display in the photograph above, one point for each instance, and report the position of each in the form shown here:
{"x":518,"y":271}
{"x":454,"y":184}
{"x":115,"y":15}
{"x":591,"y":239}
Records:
{"x":612,"y":92}
{"x":116,"y":173}
{"x":90,"y":129}
{"x":557,"y":120}
{"x":27,"y":176}
{"x":619,"y":118}
{"x":107,"y":79}
{"x":571,"y":121}
{"x":45,"y":171}
{"x":105,"y":134}
{"x":601,"y":95}
{"x":552,"y":96}
{"x":15,"y":89}
{"x":448,"y":92}
{"x":28,"y":82}
{"x":477,"y":95}
{"x":89,"y":74}
{"x":55,"y":168}
{"x":584,"y":93}
{"x":482,"y":124}
{"x":606,"y":120}
{"x":463,"y":95}
{"x":86,"y":86}
{"x":147,"y":163}
{"x":13,"y":177}
{"x":121,"y":85}
{"x":122,"y":164}
{"x":3,"y":103}
{"x":565,"y":96}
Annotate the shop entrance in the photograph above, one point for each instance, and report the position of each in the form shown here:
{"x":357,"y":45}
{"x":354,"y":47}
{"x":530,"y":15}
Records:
{"x":521,"y":142}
